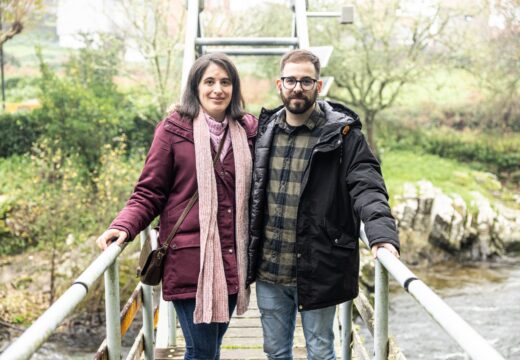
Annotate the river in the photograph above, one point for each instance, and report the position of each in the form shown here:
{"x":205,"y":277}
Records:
{"x":486,"y":295}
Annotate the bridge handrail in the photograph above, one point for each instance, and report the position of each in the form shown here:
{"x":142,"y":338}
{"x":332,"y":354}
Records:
{"x":31,"y":340}
{"x":458,"y":329}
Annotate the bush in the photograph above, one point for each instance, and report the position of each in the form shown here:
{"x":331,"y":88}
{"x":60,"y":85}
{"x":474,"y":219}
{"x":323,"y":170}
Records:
{"x":500,"y":153}
{"x":494,"y":152}
{"x":18,"y":132}
{"x":47,"y":197}
{"x":83,"y":111}
{"x":21,"y":88}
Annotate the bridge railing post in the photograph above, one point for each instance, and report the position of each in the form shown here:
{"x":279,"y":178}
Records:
{"x":113,"y":322}
{"x":381,"y":312}
{"x":147,"y":310}
{"x":346,"y":330}
{"x":172,"y":319}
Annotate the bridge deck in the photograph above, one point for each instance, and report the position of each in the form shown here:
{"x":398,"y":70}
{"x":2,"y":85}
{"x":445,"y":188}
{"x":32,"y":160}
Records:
{"x":243,"y":340}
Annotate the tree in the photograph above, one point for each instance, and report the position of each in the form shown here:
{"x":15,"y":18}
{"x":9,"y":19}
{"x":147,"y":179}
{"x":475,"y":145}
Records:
{"x":491,"y":54}
{"x":13,"y":14}
{"x":155,"y":29}
{"x":390,"y":45}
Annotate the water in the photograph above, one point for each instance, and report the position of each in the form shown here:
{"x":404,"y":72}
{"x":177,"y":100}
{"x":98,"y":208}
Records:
{"x":487,"y":296}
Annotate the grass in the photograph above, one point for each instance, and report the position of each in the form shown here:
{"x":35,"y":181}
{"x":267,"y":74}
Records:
{"x":450,"y":176}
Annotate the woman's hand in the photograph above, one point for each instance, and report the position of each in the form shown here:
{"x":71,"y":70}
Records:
{"x":110,"y":236}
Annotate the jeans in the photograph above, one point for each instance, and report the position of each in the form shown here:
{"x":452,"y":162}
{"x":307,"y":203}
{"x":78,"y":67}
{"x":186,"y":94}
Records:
{"x":202,"y":340}
{"x":278,"y":308}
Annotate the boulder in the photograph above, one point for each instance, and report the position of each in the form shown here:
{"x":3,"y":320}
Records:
{"x":424,"y":212}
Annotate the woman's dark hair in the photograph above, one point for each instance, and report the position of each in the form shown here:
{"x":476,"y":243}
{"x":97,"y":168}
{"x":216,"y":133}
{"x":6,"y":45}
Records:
{"x":190,"y":103}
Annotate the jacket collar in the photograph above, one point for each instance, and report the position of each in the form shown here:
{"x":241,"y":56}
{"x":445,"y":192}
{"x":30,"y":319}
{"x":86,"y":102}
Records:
{"x":336,"y":115}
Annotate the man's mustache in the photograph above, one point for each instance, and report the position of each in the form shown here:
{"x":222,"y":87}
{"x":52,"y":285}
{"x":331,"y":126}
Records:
{"x":298,"y":96}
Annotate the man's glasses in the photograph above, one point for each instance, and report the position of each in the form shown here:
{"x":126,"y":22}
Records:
{"x":306,"y":83}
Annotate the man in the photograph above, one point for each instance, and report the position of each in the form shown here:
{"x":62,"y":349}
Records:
{"x":315,"y":179}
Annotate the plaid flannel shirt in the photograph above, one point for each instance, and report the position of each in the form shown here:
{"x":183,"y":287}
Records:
{"x":290,"y":153}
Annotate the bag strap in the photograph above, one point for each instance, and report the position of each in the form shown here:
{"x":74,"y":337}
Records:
{"x":192,"y":201}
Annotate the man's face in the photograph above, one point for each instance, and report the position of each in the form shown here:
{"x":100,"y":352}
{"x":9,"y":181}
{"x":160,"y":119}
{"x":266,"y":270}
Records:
{"x":298,"y":100}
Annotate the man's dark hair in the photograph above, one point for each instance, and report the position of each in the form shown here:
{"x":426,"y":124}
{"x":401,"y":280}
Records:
{"x":299,"y":56}
{"x":190,"y":102}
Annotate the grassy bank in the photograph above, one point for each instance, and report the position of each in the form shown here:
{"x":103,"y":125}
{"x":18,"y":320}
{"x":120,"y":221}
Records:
{"x":451,"y":176}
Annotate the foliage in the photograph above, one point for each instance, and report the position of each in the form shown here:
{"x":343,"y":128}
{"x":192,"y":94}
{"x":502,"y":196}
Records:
{"x":83,"y":111}
{"x":490,"y":151}
{"x":50,"y":202}
{"x":17,"y":172}
{"x":490,"y":54}
{"x":21,"y":88}
{"x":153,"y":29}
{"x":48,"y":197}
{"x":141,"y":127}
{"x":18,"y":132}
{"x":13,"y":14}
{"x":388,"y":46}
{"x":53,"y":204}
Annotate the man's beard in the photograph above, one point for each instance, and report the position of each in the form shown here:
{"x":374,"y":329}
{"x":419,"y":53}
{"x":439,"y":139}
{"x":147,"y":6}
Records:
{"x":299,"y":107}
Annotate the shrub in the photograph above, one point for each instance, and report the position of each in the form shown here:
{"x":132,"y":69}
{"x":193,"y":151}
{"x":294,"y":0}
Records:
{"x":47,"y":197}
{"x":18,"y":132}
{"x":495,"y":152}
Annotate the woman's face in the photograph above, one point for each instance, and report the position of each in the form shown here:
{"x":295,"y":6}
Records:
{"x":215,"y":90}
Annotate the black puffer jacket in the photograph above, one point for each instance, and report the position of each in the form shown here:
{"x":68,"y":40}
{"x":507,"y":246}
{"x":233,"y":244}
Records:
{"x":342,"y":185}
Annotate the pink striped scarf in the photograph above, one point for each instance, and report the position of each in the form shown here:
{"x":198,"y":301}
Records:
{"x":211,"y":301}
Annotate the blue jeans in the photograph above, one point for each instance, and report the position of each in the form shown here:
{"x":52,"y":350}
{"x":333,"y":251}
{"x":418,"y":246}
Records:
{"x":278,"y":308}
{"x":202,"y":340}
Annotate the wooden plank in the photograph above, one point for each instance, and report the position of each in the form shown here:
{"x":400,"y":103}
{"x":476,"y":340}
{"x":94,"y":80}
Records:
{"x":394,"y":352}
{"x":366,"y":311}
{"x":367,"y":314}
{"x":137,"y":348}
{"x":102,"y":352}
{"x":168,"y":353}
{"x":358,"y":347}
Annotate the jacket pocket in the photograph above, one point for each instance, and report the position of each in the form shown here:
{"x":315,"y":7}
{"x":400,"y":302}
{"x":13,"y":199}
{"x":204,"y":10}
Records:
{"x":339,"y":238}
{"x":181,"y":270}
{"x":184,"y":241}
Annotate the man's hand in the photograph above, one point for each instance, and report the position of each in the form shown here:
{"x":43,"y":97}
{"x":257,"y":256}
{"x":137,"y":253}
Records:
{"x":387,"y":246}
{"x":110,"y":236}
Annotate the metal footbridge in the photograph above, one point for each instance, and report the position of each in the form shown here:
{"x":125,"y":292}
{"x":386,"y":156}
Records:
{"x":159,"y":339}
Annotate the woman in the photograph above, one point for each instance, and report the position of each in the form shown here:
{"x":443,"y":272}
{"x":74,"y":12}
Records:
{"x":205,"y":266}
